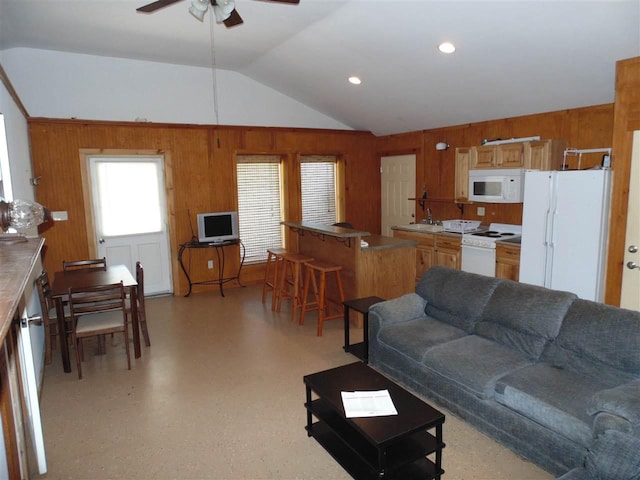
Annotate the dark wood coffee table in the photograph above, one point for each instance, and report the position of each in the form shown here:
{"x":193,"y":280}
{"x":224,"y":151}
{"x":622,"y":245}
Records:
{"x":395,"y":446}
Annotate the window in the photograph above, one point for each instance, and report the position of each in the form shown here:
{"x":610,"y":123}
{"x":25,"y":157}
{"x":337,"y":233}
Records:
{"x":125,"y":181}
{"x":318,"y":186}
{"x":259,"y":204}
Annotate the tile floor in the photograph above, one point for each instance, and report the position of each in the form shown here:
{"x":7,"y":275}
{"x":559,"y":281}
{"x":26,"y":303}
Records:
{"x":218,"y":395}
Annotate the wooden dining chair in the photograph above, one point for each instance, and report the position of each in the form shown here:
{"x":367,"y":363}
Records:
{"x":98,"y":311}
{"x":142,"y":314}
{"x":49,"y":315}
{"x":100,"y":263}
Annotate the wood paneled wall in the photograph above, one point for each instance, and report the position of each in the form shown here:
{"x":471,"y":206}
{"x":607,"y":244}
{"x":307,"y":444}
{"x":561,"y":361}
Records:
{"x":589,"y":127}
{"x":203,"y":169}
{"x":202,"y":176}
{"x":626,"y":121}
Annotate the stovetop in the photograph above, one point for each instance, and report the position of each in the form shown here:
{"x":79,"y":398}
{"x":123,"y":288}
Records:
{"x":492,"y":234}
{"x":487,"y":238}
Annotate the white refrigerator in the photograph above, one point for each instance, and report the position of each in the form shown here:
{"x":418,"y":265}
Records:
{"x":565,"y":222}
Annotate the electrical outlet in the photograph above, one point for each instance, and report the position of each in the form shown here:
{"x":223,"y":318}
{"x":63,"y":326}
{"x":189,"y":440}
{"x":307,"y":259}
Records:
{"x":60,"y":216}
{"x":210,"y":264}
{"x":481,"y":211}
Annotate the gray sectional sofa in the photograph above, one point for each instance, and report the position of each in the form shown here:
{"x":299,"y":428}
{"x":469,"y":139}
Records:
{"x":541,"y":371}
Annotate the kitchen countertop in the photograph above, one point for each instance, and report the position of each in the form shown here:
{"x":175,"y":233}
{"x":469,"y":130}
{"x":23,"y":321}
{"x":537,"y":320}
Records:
{"x":421,"y":232}
{"x":374,"y":242}
{"x":16,"y":262}
{"x":380,"y":242}
{"x":511,"y":241}
{"x":338,"y":232}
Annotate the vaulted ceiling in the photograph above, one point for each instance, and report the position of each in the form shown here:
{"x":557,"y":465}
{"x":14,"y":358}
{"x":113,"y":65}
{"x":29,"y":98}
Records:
{"x":512,"y":58}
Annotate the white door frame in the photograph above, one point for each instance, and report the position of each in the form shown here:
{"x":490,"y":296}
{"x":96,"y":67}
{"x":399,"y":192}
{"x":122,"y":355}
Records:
{"x":630,"y":288}
{"x":85,"y":154}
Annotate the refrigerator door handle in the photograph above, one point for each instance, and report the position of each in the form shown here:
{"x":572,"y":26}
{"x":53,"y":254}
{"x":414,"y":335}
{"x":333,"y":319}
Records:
{"x":550,"y":228}
{"x":554,"y":227}
{"x":546,"y":229}
{"x":551,"y":254}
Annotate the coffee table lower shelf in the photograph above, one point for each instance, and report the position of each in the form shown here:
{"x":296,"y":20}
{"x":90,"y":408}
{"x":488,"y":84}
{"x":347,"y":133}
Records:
{"x":406,"y":459}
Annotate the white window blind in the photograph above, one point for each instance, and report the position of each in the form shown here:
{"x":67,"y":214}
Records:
{"x":318,"y":184}
{"x":259,"y":204}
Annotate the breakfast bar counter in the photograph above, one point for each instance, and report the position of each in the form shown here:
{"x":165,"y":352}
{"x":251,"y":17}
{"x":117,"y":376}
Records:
{"x":372,"y":265}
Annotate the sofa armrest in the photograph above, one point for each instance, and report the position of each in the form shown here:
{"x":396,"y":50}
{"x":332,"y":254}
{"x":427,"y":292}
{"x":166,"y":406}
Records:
{"x":622,"y":402}
{"x":613,"y":456}
{"x":397,"y":310}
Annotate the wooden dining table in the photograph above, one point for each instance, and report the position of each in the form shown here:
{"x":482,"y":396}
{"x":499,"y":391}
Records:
{"x":91,"y":277}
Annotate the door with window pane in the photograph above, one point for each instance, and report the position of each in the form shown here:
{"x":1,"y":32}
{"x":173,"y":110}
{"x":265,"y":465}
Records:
{"x":129,"y":209}
{"x":318,"y":189}
{"x":259,"y":204}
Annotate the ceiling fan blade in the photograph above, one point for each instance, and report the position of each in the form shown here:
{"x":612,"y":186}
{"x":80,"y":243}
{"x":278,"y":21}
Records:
{"x":157,"y":5}
{"x":233,"y":20}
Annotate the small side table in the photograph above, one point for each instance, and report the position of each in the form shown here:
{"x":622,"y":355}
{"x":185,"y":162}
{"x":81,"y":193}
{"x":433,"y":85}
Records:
{"x":360,"y":350}
{"x":219,"y":248}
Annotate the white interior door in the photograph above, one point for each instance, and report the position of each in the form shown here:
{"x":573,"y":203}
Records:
{"x":129,"y":209}
{"x":630,"y":294}
{"x":398,"y":184}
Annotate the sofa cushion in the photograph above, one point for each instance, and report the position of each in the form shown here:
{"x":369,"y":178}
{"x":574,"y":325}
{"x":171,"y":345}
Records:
{"x":454,"y":296}
{"x":524,"y":317}
{"x":415,"y":337}
{"x":474,"y":363}
{"x":550,"y":396}
{"x":599,"y":341}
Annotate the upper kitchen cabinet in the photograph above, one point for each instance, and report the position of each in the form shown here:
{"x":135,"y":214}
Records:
{"x":535,"y":155}
{"x":544,"y":154}
{"x":483,"y":157}
{"x":510,"y":155}
{"x":463,"y":160}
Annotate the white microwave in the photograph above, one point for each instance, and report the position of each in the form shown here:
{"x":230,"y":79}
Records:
{"x":496,"y":185}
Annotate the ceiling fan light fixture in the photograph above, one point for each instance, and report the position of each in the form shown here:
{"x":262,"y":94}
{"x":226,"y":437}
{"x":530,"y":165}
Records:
{"x":355,"y":80}
{"x":198,"y":8}
{"x":223,"y":9}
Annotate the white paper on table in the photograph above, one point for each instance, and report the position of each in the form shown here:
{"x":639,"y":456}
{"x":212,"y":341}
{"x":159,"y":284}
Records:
{"x":375,"y":403}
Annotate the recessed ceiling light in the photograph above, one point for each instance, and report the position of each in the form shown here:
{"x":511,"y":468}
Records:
{"x":447,"y":47}
{"x":355,"y":80}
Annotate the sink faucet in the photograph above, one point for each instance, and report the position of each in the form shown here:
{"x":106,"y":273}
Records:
{"x":429,"y":217}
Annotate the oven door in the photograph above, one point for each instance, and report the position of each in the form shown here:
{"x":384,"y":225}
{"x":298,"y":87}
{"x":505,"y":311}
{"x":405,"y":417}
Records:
{"x":479,"y":260}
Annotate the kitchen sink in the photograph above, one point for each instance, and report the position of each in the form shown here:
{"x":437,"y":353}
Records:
{"x":422,"y":227}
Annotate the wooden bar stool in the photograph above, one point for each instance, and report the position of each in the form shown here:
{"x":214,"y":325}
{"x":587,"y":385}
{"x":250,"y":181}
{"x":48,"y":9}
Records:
{"x":274,"y":258}
{"x":320,"y":291}
{"x":290,"y":281}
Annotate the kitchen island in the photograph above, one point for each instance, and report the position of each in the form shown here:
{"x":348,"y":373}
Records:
{"x":372,"y":265}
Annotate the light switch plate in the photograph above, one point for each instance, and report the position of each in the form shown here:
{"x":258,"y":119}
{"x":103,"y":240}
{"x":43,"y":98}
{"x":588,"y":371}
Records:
{"x":481,"y":211}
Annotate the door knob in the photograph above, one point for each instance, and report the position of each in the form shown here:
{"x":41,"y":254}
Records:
{"x":632,"y":265}
{"x":633,"y":249}
{"x":31,"y":320}
{"x":101,"y":240}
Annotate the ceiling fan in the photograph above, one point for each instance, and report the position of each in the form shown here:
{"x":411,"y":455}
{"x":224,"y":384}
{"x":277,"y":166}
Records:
{"x":224,"y":10}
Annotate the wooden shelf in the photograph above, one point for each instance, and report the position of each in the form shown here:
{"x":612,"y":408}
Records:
{"x":436,"y":200}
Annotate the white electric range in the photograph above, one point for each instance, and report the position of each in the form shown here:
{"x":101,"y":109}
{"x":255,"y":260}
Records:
{"x":479,"y":247}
